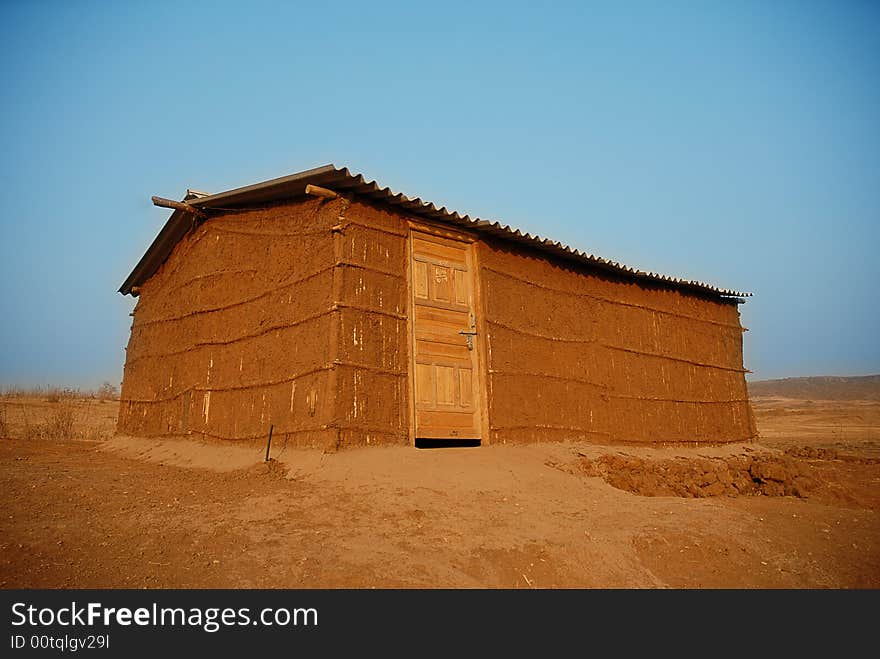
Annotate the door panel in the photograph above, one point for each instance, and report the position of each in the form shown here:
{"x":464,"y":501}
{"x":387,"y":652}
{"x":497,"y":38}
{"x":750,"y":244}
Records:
{"x":445,"y":360}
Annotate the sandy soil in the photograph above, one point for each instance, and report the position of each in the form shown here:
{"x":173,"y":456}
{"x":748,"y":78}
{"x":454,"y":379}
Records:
{"x":95,"y":510}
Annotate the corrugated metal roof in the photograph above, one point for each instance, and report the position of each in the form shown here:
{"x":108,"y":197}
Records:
{"x":343,"y":181}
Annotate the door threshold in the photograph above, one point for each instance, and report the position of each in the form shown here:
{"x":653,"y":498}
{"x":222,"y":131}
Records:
{"x":447,"y":443}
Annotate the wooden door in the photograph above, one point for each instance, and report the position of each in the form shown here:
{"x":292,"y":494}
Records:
{"x":444,"y":342}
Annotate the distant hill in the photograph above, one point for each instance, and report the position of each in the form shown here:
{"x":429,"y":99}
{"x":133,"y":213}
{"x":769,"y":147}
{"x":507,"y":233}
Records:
{"x":866,"y":387}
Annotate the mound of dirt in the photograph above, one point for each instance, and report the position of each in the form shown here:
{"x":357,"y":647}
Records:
{"x":735,"y":475}
{"x":819,"y":453}
{"x":272,"y":469}
{"x":812,"y":453}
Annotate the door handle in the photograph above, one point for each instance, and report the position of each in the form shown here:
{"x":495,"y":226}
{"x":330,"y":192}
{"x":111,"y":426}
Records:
{"x":470,"y":338}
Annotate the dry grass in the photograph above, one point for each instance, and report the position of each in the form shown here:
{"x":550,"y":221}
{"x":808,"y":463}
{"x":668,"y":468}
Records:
{"x":50,"y":394}
{"x":38,"y":417}
{"x":55,"y":394}
{"x":54,"y":413}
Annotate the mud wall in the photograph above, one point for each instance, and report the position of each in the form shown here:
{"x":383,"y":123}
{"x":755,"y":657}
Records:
{"x":575,"y":353}
{"x":231,"y":334}
{"x":371,"y":345}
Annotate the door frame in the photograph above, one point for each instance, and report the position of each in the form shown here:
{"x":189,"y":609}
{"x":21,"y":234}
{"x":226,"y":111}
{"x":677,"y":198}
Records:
{"x":430,"y":228}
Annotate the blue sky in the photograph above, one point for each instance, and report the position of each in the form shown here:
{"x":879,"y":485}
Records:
{"x":733,"y":142}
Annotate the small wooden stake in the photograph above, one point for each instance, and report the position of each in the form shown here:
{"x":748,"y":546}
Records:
{"x":269,"y":443}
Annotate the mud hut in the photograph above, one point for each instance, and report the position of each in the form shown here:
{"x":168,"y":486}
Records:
{"x":344,"y":314}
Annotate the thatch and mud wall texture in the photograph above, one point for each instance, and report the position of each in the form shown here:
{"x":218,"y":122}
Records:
{"x":295,"y":315}
{"x":371,"y":344}
{"x":231,"y":334}
{"x":575,"y":353}
{"x":292,"y":316}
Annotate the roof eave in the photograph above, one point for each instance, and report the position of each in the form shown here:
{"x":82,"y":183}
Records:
{"x":343,"y":181}
{"x":172,"y":231}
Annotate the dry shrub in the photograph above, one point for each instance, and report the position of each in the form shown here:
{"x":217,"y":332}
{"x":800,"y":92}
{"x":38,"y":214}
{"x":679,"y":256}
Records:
{"x":59,"y":425}
{"x":57,"y":394}
{"x":106,"y":391}
{"x":92,"y":434}
{"x":4,"y":427}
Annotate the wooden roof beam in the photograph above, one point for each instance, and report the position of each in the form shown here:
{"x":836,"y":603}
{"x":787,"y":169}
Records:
{"x":179,"y":206}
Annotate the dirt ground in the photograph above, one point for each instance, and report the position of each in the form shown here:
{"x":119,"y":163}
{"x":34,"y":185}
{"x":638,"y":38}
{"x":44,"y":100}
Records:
{"x":90,"y":509}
